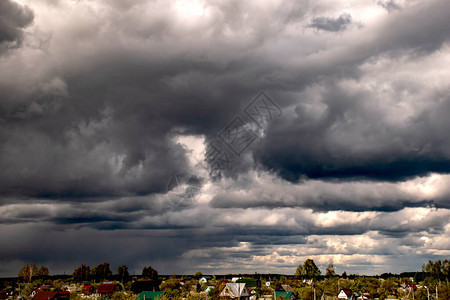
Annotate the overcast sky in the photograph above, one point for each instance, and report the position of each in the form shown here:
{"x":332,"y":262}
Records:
{"x":224,"y":136}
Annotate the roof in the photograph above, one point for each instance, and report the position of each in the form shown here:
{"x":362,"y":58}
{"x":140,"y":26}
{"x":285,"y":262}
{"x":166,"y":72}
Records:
{"x":51,"y":295}
{"x":106,"y":288}
{"x":45,"y":295}
{"x":250,"y":282}
{"x":237,"y":289}
{"x":149,"y":295}
{"x":287,"y":288}
{"x":283,"y":295}
{"x":87,"y":289}
{"x":348,"y":292}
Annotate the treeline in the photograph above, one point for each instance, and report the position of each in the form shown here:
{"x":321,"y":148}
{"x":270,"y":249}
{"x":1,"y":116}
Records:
{"x":308,"y":282}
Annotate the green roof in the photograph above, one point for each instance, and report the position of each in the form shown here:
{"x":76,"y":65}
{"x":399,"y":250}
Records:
{"x":250,"y":282}
{"x":149,"y":295}
{"x":283,"y":295}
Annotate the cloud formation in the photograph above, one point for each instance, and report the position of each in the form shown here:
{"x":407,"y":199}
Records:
{"x":332,"y":24}
{"x":13,"y":19}
{"x":104,"y":103}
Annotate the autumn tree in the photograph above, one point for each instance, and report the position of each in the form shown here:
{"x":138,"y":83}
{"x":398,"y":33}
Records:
{"x":81,"y":273}
{"x":27,"y":272}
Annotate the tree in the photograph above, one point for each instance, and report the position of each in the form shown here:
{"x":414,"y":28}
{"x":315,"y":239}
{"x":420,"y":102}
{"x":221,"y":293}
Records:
{"x":446,"y":269}
{"x":299,"y":273}
{"x":27,"y":272}
{"x":330,"y":271}
{"x":42,"y":271}
{"x":101,"y":272}
{"x":123,"y":272}
{"x":81,"y":273}
{"x":311,"y":271}
{"x":198,"y":275}
{"x":150,"y":273}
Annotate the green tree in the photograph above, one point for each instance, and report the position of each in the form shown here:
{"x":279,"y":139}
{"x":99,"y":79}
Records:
{"x":172,"y":288}
{"x":433,"y":269}
{"x":330,"y":271}
{"x":150,"y":273}
{"x":389,"y":287}
{"x":299,"y":272}
{"x":198,"y":275}
{"x":27,"y":272}
{"x":101,"y":272}
{"x":42,"y":271}
{"x":446,"y":269}
{"x":123,"y":273}
{"x":310,"y":269}
{"x":81,"y":273}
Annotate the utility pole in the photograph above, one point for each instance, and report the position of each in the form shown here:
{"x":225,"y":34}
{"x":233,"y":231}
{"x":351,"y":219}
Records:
{"x":437,"y":297}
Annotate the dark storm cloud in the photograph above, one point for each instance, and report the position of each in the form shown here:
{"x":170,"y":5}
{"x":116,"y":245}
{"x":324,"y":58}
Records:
{"x":313,"y":149}
{"x":332,"y":24}
{"x":89,"y":129}
{"x":13,"y":19}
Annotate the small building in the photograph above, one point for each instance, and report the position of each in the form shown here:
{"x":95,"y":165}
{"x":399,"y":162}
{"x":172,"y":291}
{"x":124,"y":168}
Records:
{"x":283,"y":295}
{"x":107,"y":288}
{"x":287,"y":288}
{"x":44,"y":295}
{"x":346,"y":294}
{"x":87,"y":289}
{"x":147,"y":295}
{"x":235,"y":291}
{"x":139,"y":286}
{"x":250,"y":283}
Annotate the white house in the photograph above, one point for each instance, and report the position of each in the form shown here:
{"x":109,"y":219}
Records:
{"x":234,"y":291}
{"x":346,"y":294}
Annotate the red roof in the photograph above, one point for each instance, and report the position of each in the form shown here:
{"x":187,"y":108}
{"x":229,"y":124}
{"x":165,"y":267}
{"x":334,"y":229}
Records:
{"x":107,"y":288}
{"x":51,"y":295}
{"x":348,"y":292}
{"x":45,"y":295}
{"x":87,"y":289}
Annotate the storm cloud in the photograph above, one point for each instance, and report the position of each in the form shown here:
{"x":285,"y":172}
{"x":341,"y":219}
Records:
{"x":103,"y":104}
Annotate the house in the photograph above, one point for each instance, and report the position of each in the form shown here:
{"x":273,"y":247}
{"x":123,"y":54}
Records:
{"x":42,"y":288}
{"x":250,"y":283}
{"x":234,"y":291}
{"x":87,"y":289}
{"x":346,"y":294}
{"x":287,"y":288}
{"x":139,"y":286}
{"x":107,"y":288}
{"x":284,"y":295}
{"x":45,"y":295}
{"x":204,"y":279}
{"x":149,"y":295}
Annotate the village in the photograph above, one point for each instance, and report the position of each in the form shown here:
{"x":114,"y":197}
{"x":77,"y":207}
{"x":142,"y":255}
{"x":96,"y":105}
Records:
{"x":307,"y":283}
